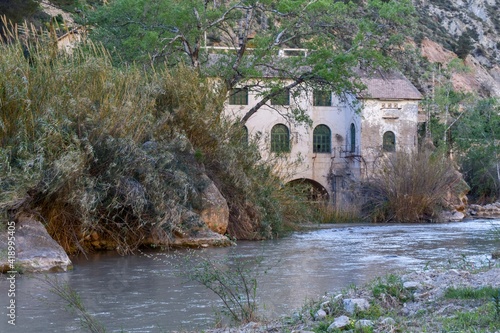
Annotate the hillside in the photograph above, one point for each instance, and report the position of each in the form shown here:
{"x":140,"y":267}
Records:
{"x":469,"y":28}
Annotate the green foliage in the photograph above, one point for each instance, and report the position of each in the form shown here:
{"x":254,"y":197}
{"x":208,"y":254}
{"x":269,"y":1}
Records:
{"x":471,"y":293}
{"x":17,"y":11}
{"x":253,"y":33}
{"x":410,"y":187}
{"x":481,"y":319}
{"x":464,"y":46}
{"x":390,"y":287}
{"x":477,"y":137}
{"x":119,"y":152}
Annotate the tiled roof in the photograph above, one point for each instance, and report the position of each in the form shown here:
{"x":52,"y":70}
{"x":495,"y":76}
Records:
{"x":387,"y":85}
{"x":379,"y":84}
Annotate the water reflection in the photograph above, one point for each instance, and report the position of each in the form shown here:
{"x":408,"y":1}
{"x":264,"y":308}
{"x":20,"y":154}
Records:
{"x":145,"y":293}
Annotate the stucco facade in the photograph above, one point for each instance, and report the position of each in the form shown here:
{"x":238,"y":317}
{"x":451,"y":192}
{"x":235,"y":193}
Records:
{"x":355,"y":128}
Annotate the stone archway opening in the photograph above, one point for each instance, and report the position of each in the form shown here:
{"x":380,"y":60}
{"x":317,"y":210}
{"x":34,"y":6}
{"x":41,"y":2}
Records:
{"x":314,"y":191}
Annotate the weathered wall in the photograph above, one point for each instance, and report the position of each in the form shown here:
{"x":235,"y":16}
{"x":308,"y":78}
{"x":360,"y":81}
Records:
{"x":380,"y":116}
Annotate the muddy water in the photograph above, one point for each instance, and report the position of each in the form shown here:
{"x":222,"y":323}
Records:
{"x":144,"y":293}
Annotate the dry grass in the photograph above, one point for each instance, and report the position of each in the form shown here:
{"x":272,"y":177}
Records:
{"x":410,"y":187}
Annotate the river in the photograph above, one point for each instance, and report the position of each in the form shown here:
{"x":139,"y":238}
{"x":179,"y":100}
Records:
{"x":145,"y":293}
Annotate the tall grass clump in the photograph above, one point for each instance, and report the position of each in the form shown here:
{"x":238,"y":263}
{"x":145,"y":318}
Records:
{"x":113,"y":157}
{"x":409,"y":187}
{"x":71,"y":130}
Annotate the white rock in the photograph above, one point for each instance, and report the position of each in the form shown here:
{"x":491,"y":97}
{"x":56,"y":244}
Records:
{"x":363,"y":323}
{"x":353,"y":304}
{"x":339,"y":322}
{"x":412,"y":285}
{"x":388,"y":321}
{"x":320,"y":314}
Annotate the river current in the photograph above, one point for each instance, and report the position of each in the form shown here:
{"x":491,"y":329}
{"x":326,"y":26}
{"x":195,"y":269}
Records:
{"x":146,"y":293}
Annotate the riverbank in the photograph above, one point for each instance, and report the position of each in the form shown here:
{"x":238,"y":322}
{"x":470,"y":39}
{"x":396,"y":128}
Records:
{"x":458,"y":300}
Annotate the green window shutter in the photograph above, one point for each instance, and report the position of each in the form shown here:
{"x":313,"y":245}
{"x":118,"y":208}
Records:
{"x":238,"y":96}
{"x":322,"y":138}
{"x":322,"y":98}
{"x":280,"y":139}
{"x":389,"y":141}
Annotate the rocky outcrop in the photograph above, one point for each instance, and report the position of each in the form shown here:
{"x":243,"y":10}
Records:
{"x":445,"y":22}
{"x":35,"y":250}
{"x":215,"y":211}
{"x":486,"y":211}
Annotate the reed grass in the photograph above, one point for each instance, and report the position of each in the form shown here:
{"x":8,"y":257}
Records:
{"x":110,"y":156}
{"x":409,"y":187}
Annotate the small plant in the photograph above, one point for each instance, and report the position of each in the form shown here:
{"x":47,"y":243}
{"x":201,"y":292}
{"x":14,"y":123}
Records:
{"x":496,"y":303}
{"x":390,"y":290}
{"x":234,"y":282}
{"x":470,"y":293}
{"x":75,"y":304}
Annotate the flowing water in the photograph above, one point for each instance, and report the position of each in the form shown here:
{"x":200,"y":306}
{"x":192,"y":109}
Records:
{"x":144,"y":293}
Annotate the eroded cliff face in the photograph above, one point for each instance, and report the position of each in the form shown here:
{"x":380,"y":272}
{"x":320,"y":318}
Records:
{"x":443,"y":22}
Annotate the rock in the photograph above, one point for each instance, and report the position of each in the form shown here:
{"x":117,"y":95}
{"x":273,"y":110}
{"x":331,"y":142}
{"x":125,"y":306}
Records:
{"x":495,"y":255}
{"x":215,"y":211}
{"x":36,"y":251}
{"x":363,"y":323}
{"x":320,"y":315}
{"x":452,"y":216}
{"x":251,"y":326}
{"x":356,"y":304}
{"x":412,"y":285}
{"x":326,"y":307}
{"x":339,"y":323}
{"x":486,"y":211}
{"x":388,"y":321}
{"x":201,"y":238}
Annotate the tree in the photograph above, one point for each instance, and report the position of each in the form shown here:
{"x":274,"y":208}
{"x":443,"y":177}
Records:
{"x":337,"y":36}
{"x":477,"y":137}
{"x":465,"y":45}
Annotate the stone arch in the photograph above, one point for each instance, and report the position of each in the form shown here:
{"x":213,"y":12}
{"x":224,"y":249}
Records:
{"x":316,"y":191}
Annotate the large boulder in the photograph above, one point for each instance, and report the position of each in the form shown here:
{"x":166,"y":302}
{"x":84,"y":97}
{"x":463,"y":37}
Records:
{"x":35,"y":250}
{"x":214,"y":211}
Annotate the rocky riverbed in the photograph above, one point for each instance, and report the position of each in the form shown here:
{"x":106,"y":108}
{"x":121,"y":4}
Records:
{"x":411,"y":302}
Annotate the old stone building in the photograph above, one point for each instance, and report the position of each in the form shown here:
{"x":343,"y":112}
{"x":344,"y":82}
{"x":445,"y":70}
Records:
{"x":347,"y":134}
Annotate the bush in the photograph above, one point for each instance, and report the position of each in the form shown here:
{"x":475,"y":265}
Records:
{"x":113,"y":156}
{"x":234,"y":282}
{"x":410,"y":187}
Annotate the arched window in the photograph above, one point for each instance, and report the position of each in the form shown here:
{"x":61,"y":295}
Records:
{"x":322,"y":138}
{"x":280,"y":139}
{"x":244,"y":137}
{"x":353,"y":138}
{"x":389,"y":141}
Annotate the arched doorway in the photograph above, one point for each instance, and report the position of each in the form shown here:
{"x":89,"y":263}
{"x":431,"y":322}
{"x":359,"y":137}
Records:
{"x":311,"y":188}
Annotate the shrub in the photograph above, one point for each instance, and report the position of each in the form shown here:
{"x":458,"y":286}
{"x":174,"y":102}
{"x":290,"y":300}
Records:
{"x":118,"y":155}
{"x":410,"y":187}
{"x":233,"y":281}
